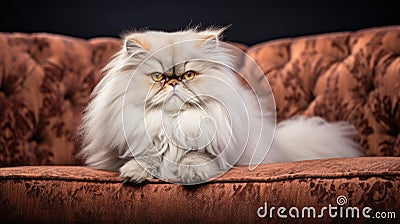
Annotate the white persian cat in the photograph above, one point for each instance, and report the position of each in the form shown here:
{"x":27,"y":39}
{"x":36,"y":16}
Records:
{"x":171,"y":106}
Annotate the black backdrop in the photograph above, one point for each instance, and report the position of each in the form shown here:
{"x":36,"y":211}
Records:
{"x":251,"y":21}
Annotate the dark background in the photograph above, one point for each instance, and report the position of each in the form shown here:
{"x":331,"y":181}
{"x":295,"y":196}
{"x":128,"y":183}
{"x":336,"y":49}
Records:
{"x":251,"y":21}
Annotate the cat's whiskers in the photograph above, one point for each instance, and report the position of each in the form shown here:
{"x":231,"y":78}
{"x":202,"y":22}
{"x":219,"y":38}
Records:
{"x":195,"y":96}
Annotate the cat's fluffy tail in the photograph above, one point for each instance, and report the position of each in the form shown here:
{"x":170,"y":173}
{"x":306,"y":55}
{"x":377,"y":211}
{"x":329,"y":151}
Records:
{"x":302,"y":138}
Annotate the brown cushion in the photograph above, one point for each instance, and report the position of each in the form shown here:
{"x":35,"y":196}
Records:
{"x":50,"y":194}
{"x":351,"y":76}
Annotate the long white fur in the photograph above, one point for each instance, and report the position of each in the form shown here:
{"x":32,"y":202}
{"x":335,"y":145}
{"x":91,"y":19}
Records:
{"x":130,"y":126}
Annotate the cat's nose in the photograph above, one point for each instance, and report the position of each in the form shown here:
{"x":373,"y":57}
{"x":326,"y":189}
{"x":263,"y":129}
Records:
{"x":173,"y":82}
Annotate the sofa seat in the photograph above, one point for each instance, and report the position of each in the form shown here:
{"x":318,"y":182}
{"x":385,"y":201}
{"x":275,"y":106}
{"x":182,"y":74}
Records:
{"x":80,"y":194}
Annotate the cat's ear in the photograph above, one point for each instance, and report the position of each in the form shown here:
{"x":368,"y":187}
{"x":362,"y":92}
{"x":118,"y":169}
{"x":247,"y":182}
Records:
{"x":135,"y":44}
{"x":211,"y":36}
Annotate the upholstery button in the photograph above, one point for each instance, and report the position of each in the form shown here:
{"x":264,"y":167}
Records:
{"x":6,"y":89}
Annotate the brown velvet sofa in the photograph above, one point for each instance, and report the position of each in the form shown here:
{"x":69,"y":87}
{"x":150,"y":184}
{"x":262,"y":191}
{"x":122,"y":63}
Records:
{"x":46,"y":79}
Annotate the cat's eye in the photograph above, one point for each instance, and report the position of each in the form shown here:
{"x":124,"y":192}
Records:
{"x":157,"y":77}
{"x":189,"y":75}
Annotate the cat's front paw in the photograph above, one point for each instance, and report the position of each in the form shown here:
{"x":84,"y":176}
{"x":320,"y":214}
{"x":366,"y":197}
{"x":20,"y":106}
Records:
{"x":133,"y":172}
{"x":197,"y":169}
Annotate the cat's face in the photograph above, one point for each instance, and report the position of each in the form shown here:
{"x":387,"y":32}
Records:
{"x":178,"y":71}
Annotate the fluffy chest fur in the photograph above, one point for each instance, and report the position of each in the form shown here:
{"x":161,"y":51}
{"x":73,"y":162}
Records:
{"x":187,"y":129}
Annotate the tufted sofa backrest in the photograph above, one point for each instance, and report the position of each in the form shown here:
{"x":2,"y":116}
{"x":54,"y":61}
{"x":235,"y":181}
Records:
{"x":46,"y":80}
{"x":340,"y":76}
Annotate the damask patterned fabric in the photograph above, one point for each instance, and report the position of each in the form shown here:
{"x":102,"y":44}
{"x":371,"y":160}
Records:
{"x":46,"y":80}
{"x":341,"y":76}
{"x":83,"y":195}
